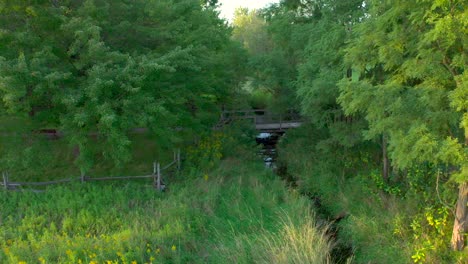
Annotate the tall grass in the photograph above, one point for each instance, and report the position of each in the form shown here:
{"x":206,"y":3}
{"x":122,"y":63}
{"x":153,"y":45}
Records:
{"x":239,"y":212}
{"x":294,"y":244}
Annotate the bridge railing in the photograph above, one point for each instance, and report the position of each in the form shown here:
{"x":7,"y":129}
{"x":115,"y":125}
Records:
{"x":260,"y":116}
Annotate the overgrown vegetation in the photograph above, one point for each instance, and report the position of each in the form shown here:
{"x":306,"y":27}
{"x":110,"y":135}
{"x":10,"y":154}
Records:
{"x":404,"y":220}
{"x":100,"y":87}
{"x":217,"y":211}
{"x":106,"y":87}
{"x":100,"y":68}
{"x":383,"y":85}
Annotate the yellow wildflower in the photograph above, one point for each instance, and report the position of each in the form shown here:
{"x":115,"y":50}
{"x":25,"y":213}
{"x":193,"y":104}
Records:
{"x":205,"y":177}
{"x":134,"y":262}
{"x":22,"y":262}
{"x":174,"y":248}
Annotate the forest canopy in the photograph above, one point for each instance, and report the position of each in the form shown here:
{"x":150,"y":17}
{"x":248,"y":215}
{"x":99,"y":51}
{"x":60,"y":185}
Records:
{"x":106,"y":67}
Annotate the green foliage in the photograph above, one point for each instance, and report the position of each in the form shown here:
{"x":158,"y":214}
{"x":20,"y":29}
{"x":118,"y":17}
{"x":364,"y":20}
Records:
{"x":261,"y":99}
{"x":362,"y":72}
{"x":104,"y":67}
{"x":377,"y":79}
{"x":211,"y":148}
{"x":207,"y":153}
{"x":240,"y":213}
{"x":322,"y":66}
{"x":57,"y":157}
{"x":249,"y":28}
{"x":271,"y":44}
{"x":409,"y":73}
{"x":429,"y":230}
{"x":407,"y":216}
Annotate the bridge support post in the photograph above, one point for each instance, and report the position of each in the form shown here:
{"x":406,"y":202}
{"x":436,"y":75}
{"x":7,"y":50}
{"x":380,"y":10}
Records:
{"x":281,"y":122}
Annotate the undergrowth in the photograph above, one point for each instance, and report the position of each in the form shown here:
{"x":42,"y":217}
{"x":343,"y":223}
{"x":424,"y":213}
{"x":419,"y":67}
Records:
{"x":230,"y":209}
{"x":404,"y":220}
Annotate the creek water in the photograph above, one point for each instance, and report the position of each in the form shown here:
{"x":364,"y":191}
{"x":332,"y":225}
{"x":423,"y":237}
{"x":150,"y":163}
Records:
{"x":268,"y":151}
{"x":341,"y":252}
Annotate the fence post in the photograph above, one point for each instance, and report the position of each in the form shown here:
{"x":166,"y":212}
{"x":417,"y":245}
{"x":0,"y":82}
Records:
{"x":83,"y":177}
{"x":155,"y":171}
{"x":159,"y":177}
{"x":178,"y":159}
{"x":5,"y":180}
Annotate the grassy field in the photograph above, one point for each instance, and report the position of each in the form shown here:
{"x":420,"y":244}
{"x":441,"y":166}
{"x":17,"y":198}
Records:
{"x":238,"y":212}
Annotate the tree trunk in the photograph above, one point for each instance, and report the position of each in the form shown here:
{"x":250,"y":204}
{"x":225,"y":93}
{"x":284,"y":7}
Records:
{"x":386,"y":163}
{"x":460,"y":226}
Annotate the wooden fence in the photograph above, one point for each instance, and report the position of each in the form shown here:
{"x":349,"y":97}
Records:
{"x":158,"y":182}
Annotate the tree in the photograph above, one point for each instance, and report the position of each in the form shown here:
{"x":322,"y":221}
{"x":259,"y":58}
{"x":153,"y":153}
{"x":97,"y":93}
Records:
{"x":328,"y":30}
{"x":271,"y":36}
{"x":409,"y":81}
{"x":105,"y":67}
{"x":249,"y":28}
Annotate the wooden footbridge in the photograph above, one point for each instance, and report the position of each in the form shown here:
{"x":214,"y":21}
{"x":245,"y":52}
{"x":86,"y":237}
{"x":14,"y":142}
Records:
{"x":263,"y":120}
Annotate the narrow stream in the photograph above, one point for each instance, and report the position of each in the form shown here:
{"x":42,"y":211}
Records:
{"x":268,"y":151}
{"x":341,"y":252}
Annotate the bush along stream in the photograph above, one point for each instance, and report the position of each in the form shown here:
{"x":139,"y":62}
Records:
{"x":341,"y":251}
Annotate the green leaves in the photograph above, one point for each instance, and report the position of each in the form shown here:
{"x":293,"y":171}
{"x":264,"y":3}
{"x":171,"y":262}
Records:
{"x":415,"y":79}
{"x":106,"y":67}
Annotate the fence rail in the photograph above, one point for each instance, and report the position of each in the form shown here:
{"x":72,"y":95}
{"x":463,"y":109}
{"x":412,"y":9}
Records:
{"x":114,"y":178}
{"x":41,"y":183}
{"x":156,"y":176}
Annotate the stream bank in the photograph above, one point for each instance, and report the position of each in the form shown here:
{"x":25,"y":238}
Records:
{"x":341,"y":252}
